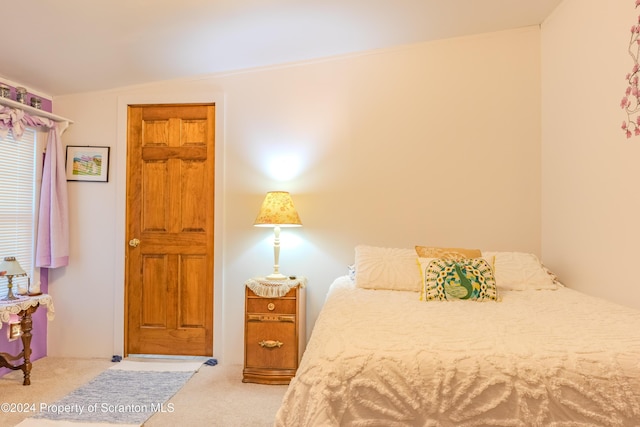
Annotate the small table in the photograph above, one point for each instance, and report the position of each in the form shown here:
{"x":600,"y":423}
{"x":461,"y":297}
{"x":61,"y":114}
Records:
{"x":274,"y":331}
{"x":24,"y":307}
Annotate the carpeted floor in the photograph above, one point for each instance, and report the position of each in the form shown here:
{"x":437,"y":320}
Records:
{"x":213,"y":396}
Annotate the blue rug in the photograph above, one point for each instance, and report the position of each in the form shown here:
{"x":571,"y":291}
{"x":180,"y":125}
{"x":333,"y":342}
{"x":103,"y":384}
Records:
{"x":120,"y":396}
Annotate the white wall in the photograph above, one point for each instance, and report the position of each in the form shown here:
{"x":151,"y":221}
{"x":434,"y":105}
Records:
{"x":590,"y":223}
{"x":436,"y":143}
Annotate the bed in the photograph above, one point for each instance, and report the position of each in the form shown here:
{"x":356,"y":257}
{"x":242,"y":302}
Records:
{"x":385,"y":353}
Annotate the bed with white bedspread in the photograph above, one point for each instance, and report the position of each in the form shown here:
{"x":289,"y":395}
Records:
{"x":537,"y":356}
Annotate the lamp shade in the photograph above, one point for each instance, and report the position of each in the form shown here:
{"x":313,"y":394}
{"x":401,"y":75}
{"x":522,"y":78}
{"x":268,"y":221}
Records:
{"x":12,"y":267}
{"x":277,"y":210}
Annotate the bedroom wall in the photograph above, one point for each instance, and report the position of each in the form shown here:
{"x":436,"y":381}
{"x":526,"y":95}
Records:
{"x":435,"y":143}
{"x":590,"y":173}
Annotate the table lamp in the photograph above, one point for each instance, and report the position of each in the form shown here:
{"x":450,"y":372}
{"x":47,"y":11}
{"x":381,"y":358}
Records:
{"x":277,"y":211}
{"x":12,"y":269}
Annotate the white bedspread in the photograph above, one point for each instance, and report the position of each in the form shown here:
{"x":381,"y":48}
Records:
{"x":538,"y":358}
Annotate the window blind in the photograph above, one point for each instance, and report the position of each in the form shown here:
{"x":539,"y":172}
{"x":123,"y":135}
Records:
{"x":18,"y":172}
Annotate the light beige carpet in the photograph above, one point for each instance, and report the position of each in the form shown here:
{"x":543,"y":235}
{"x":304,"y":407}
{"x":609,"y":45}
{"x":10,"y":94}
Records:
{"x":214,"y":396}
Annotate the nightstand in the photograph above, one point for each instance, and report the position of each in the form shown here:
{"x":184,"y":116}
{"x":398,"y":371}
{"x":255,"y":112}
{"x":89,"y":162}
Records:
{"x":274,"y":330}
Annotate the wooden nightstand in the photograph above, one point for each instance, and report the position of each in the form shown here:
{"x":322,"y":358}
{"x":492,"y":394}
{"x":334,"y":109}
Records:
{"x":274,"y":330}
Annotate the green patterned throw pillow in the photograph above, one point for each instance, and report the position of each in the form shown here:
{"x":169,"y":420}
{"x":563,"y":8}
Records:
{"x":451,"y":279}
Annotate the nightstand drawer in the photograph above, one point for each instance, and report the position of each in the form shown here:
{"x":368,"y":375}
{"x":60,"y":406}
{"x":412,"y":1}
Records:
{"x":271,"y":345}
{"x":271,"y":305}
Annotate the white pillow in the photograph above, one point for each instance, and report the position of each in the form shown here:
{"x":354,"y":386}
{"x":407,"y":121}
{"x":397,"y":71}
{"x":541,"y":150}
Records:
{"x":387,"y":268}
{"x":519,"y":271}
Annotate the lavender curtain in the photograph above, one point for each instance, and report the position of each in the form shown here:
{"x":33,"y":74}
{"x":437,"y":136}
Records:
{"x":52,"y":242}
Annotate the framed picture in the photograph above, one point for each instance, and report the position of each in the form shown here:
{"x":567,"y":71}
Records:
{"x":14,"y":331}
{"x":85,"y":163}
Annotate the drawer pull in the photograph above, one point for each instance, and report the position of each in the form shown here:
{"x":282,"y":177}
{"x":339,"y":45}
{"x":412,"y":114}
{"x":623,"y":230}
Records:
{"x":270,"y":344}
{"x":271,"y":318}
{"x":271,"y":306}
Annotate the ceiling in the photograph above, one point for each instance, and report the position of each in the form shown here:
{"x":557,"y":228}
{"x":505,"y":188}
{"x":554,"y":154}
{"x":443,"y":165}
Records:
{"x":62,"y":47}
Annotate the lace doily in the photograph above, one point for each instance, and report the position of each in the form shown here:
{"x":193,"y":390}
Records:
{"x":7,"y":308}
{"x":274,"y":288}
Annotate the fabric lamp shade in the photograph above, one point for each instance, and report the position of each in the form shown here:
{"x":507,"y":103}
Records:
{"x":278,"y":209}
{"x":12,"y":267}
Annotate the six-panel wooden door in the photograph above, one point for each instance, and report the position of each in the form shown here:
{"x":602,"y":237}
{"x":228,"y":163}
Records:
{"x":170,"y":220}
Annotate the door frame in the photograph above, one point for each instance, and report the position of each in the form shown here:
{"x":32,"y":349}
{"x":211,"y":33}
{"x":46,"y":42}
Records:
{"x":120,"y":156}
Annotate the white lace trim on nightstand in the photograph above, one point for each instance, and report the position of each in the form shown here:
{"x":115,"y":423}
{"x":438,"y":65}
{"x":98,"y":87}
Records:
{"x":274,"y":288}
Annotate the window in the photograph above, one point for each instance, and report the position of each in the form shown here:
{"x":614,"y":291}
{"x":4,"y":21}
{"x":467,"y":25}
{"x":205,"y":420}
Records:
{"x":19,"y":175}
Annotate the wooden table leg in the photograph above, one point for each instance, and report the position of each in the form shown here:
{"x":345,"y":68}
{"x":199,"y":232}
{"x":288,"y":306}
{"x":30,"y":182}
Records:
{"x":27,"y":325}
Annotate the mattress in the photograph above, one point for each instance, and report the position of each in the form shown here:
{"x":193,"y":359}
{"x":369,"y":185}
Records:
{"x":535,"y":358}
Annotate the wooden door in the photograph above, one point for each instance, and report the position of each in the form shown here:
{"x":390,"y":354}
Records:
{"x":169,"y":247}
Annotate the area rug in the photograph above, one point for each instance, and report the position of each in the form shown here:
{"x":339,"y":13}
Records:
{"x":126,"y":394}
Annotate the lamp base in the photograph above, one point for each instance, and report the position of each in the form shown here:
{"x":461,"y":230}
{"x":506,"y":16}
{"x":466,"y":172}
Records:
{"x":10,"y":296}
{"x":276,"y":276}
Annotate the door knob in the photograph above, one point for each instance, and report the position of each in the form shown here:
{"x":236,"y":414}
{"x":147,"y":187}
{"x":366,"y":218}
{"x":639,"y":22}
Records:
{"x":134,"y":243}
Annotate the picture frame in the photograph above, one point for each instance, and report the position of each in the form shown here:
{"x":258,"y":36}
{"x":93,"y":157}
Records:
{"x":14,"y":331}
{"x":87,"y":163}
